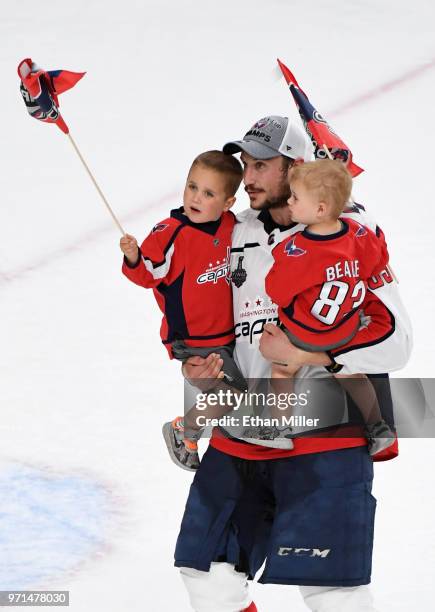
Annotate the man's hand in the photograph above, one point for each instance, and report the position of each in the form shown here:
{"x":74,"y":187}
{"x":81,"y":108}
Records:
{"x":130,"y":248}
{"x":208,"y":369}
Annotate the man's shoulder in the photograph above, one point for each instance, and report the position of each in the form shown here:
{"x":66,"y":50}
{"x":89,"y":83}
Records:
{"x":247,"y":227}
{"x":247,"y":215}
{"x":358,"y":213}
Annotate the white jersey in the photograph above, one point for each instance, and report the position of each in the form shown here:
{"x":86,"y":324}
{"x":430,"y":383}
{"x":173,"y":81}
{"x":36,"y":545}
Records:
{"x":254,"y":237}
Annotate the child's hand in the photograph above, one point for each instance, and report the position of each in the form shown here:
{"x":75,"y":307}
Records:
{"x":130,"y":248}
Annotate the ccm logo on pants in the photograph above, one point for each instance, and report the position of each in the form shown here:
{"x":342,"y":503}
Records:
{"x":305,"y":552}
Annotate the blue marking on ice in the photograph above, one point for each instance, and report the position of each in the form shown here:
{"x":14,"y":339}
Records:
{"x":48,"y":524}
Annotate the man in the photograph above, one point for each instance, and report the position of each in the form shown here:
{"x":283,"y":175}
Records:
{"x":308,"y":511}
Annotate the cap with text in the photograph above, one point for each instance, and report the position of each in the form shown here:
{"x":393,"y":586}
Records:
{"x":273,"y":136}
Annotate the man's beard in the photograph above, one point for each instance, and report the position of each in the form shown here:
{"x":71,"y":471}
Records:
{"x":276,"y":202}
{"x":279,"y":201}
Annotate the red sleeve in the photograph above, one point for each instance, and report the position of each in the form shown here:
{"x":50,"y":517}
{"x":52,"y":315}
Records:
{"x":292,"y":272}
{"x":385,"y":257}
{"x":158,"y":260}
{"x":373,"y":253}
{"x":380,"y":328}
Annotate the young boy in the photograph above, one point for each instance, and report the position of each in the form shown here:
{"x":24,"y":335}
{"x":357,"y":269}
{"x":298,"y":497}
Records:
{"x":185,"y":260}
{"x":319,"y":276}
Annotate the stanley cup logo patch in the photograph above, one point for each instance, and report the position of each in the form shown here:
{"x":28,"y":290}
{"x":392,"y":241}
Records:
{"x":239,"y":275}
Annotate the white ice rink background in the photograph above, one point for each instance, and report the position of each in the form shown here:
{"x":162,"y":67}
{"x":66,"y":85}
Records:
{"x":89,"y":501}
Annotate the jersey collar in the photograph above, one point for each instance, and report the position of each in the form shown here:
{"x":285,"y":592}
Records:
{"x":342,"y":232}
{"x":269,"y":224}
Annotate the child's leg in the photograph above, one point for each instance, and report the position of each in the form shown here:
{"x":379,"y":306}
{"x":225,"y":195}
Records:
{"x":182,"y":433}
{"x":281,"y":382}
{"x":278,"y":433}
{"x":379,"y":434}
{"x":361,"y":390}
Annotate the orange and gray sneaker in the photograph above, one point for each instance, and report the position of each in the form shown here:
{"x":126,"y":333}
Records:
{"x":182,"y":450}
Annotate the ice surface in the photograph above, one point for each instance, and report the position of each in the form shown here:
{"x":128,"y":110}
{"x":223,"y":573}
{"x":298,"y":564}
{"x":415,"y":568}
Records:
{"x":85,"y":382}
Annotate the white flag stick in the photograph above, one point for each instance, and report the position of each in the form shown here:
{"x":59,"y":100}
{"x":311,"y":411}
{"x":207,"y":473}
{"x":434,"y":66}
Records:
{"x":389,"y":268}
{"x":97,"y":187}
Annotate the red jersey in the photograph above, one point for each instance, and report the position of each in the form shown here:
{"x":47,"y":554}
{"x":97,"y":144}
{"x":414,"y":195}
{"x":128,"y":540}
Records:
{"x":319,"y":282}
{"x":187,"y":266}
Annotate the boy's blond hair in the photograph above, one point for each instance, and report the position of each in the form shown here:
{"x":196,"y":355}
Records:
{"x":227,"y":165}
{"x":329,"y":179}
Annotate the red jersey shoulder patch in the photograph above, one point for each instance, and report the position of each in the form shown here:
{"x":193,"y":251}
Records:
{"x":360,"y":231}
{"x":159,"y":227}
{"x":292,"y":250}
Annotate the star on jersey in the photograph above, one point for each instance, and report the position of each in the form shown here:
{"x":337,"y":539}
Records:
{"x":292,"y":250}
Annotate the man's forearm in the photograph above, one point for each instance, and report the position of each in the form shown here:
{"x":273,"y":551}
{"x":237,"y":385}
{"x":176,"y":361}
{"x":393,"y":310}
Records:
{"x":276,"y":347}
{"x":297,"y":358}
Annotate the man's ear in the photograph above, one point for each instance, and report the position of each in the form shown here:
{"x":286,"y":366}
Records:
{"x":298,"y":161}
{"x":229,"y":202}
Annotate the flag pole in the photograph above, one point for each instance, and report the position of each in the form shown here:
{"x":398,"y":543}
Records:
{"x":389,"y":268}
{"x":97,"y":187}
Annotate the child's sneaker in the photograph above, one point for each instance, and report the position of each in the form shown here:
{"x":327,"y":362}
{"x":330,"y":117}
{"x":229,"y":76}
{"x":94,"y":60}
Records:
{"x":183,"y":451}
{"x":273,"y":437}
{"x":380,"y":436}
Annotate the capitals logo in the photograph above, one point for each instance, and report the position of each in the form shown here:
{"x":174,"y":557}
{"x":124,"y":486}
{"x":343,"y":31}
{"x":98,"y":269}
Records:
{"x":361,"y":231}
{"x":160,"y":227}
{"x":221,"y":269}
{"x":292,"y":250}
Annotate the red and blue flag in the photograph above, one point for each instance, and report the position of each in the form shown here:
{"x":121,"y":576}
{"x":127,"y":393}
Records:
{"x":40,"y":90}
{"x":318,"y":128}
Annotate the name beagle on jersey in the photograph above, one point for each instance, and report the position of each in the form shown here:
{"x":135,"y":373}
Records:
{"x":349,"y":268}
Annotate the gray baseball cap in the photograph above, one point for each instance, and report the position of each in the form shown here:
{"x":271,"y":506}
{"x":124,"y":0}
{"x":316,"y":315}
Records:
{"x":273,"y":136}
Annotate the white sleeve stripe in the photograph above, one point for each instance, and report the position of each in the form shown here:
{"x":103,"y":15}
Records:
{"x":162,"y":268}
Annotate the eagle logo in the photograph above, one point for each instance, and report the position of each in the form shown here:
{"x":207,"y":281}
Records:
{"x":160,"y":227}
{"x":292,"y":250}
{"x":361,"y":231}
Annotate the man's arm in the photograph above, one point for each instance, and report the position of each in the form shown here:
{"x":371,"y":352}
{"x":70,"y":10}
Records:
{"x":276,"y":347}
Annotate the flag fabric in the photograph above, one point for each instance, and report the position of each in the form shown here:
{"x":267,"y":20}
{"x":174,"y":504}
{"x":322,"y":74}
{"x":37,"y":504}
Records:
{"x":40,"y":90}
{"x":318,"y":128}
